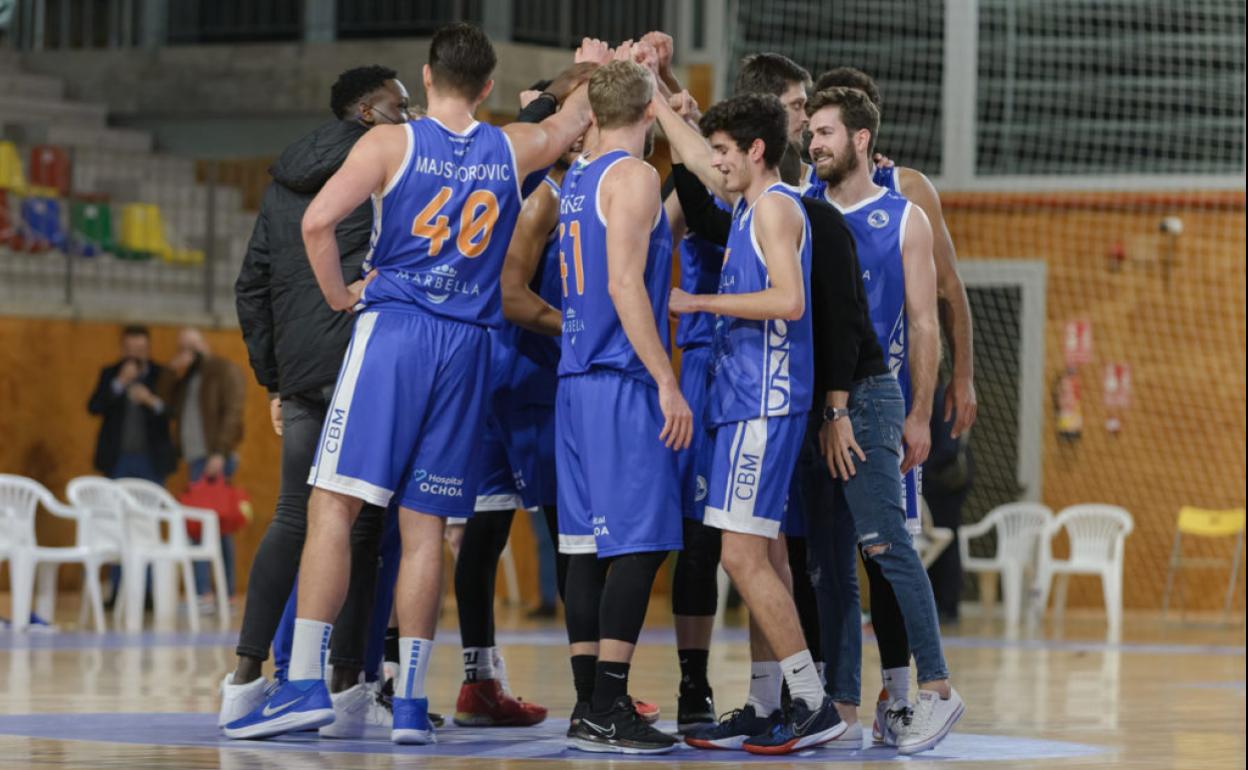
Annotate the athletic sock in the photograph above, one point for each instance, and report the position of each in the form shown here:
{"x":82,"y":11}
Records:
{"x":896,"y":682}
{"x":478,"y":664}
{"x":693,"y":668}
{"x":308,"y":647}
{"x":392,"y":647}
{"x":414,"y":654}
{"x":584,"y":669}
{"x":765,"y":681}
{"x":610,"y":682}
{"x":500,"y":669}
{"x":803,"y":679}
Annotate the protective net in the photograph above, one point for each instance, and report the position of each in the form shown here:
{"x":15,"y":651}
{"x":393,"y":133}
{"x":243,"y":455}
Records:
{"x":1108,"y":149}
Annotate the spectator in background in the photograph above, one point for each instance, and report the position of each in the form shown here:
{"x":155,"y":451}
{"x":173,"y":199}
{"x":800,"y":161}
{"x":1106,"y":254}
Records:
{"x":947,"y":478}
{"x":134,"y":435}
{"x":208,"y":409}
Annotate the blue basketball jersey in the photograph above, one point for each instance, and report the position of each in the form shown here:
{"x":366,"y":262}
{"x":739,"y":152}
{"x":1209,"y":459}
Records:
{"x":592,"y":335}
{"x":884,"y":176}
{"x":760,"y":368}
{"x":700,"y":261}
{"x":442,"y":224}
{"x":879,"y":225}
{"x":538,"y":354}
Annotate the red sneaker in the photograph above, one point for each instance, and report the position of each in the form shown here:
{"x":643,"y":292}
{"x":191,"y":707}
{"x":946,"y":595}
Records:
{"x":484,"y":704}
{"x":647,"y":711}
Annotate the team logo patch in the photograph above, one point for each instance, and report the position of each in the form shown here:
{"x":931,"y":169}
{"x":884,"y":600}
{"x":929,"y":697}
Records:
{"x":877,"y":218}
{"x":699,"y":490}
{"x":419,"y":474}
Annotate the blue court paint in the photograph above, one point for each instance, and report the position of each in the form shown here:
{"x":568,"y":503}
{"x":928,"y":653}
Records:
{"x":553,"y":637}
{"x":546,"y":741}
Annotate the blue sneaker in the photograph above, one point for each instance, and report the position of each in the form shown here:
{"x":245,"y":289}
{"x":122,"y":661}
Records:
{"x":732,"y":730}
{"x":301,"y":704}
{"x":801,"y":730}
{"x":411,"y":722}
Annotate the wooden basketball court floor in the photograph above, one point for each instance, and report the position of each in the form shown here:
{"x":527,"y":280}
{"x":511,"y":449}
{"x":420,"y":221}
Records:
{"x":1171,"y":695}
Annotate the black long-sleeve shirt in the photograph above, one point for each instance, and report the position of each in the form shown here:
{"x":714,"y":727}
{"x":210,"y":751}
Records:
{"x":846,"y":348}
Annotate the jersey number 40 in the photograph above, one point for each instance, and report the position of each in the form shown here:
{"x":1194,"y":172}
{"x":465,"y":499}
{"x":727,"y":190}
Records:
{"x":476,"y":223}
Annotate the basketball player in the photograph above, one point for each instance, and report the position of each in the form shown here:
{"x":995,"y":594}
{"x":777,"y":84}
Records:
{"x":441,"y":188}
{"x":895,"y":253}
{"x":619,"y":411}
{"x":760,"y":393}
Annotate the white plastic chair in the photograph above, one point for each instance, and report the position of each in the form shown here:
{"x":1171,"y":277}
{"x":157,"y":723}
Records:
{"x":1097,"y":534}
{"x":142,"y":546}
{"x":155,"y":497}
{"x":32,"y":567}
{"x":1018,"y":527}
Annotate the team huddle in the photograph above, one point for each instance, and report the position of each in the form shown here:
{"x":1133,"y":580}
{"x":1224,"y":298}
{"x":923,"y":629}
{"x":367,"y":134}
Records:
{"x":511,"y":348}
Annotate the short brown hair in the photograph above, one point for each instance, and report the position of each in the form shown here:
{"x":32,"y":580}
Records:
{"x":619,"y":92}
{"x":857,"y":110}
{"x":768,"y":73}
{"x":851,"y":77}
{"x":461,"y":60}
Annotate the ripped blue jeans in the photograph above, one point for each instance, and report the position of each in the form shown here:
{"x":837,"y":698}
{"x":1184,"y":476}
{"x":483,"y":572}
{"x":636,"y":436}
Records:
{"x":863,"y":513}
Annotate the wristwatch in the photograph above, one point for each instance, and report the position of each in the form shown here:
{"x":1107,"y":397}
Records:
{"x":834,"y":413}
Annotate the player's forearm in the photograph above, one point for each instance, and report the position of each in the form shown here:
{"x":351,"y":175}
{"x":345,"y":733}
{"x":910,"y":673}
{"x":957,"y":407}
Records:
{"x":837,"y":398}
{"x":632,"y":305}
{"x":524,"y":308}
{"x":770,"y":303}
{"x":690,"y":147}
{"x":322,"y":249}
{"x":955,"y":321}
{"x":924,"y":359}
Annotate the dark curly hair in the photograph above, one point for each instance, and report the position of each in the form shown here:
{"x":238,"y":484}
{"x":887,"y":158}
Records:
{"x":354,"y":84}
{"x":746,"y":117}
{"x":850,"y":77}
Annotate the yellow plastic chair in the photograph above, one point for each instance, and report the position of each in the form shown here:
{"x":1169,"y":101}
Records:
{"x":1201,"y":522}
{"x":11,"y":176}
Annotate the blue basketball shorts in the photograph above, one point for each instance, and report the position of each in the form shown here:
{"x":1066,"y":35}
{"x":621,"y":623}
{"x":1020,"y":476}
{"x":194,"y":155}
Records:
{"x":694,"y":462}
{"x":619,"y":491}
{"x":407,"y":414}
{"x":752,"y":465}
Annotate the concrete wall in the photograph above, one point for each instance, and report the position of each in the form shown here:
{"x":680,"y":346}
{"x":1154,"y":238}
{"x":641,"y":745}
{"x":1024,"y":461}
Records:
{"x":250,"y":100}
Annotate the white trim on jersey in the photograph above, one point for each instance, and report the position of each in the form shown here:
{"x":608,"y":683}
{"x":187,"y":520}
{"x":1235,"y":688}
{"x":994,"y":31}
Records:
{"x":324,"y":472}
{"x":407,"y":159}
{"x":456,"y":521}
{"x":515,"y":167}
{"x":598,"y":188}
{"x":577,"y":544}
{"x":507,"y":501}
{"x":738,"y":515}
{"x":860,"y":204}
{"x":901,"y":234}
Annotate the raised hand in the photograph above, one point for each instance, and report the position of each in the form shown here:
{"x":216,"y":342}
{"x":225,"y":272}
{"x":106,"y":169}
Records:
{"x":661,"y":42}
{"x":592,"y":51}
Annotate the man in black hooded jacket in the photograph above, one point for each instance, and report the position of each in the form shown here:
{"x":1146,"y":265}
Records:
{"x":295,"y":343}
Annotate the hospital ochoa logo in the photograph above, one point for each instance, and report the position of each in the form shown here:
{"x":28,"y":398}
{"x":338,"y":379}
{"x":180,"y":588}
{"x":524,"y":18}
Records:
{"x":433,"y":484}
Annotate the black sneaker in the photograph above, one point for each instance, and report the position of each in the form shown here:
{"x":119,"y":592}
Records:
{"x":620,"y":730}
{"x":733,"y":729}
{"x":802,"y":729}
{"x":695,"y":708}
{"x":579,"y":710}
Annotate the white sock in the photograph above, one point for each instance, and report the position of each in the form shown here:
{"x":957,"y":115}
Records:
{"x":478,"y":664}
{"x":765,"y":682}
{"x":897,"y":683}
{"x":308,"y":648}
{"x":803,"y":679}
{"x":414,"y":654}
{"x":500,"y":669}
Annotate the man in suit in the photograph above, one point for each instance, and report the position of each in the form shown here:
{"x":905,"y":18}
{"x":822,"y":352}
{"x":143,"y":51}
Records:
{"x":134,"y":437}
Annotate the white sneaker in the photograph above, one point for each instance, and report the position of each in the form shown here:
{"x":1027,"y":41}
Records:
{"x":350,"y":712}
{"x":379,"y":713}
{"x":882,"y":733}
{"x":932,"y":720}
{"x":850,"y":740}
{"x":239,"y":700}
